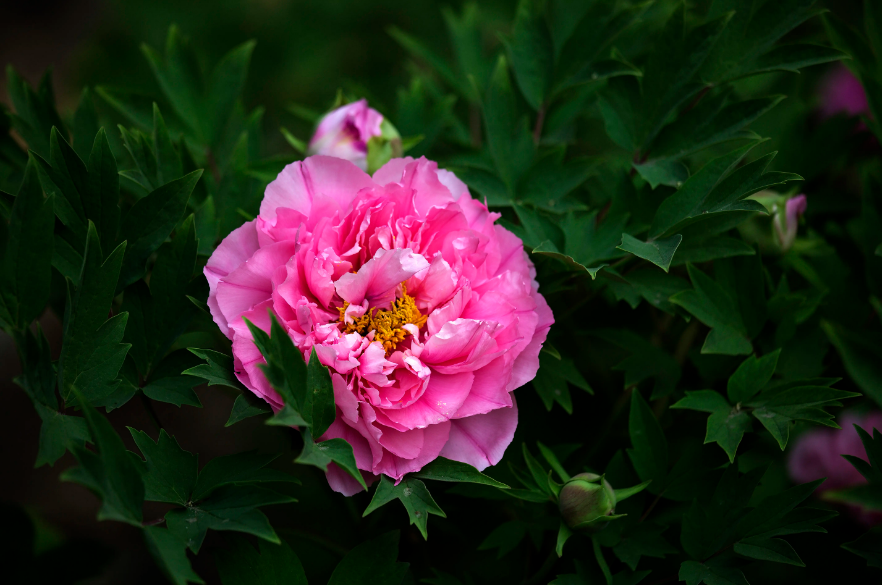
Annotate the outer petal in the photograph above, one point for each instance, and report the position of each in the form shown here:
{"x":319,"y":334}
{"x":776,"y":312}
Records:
{"x":527,"y":363}
{"x":481,"y":440}
{"x":232,"y":252}
{"x":299,"y":183}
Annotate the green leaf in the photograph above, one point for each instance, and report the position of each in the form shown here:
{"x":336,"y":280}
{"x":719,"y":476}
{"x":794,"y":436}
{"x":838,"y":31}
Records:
{"x":697,"y":250}
{"x":768,"y":549}
{"x":751,"y":376}
{"x":27,"y":265}
{"x":370,"y":563}
{"x":508,"y":138}
{"x":862,"y":356}
{"x":246,"y":405}
{"x":868,"y":546}
{"x":285,"y":369}
{"x":171,"y":555}
{"x":642,"y":540}
{"x":649,"y":453}
{"x":35,"y":113}
{"x":225,"y":88}
{"x":231,"y":507}
{"x":442,"y":469}
{"x":659,"y":252}
{"x":58,"y":434}
{"x":217,"y":371}
{"x":111,"y":472}
{"x":694,"y":573}
{"x":711,"y":304}
{"x":275,"y":564}
{"x":235,"y":469}
{"x":413,"y":494}
{"x":321,"y":392}
{"x":175,"y":390}
{"x":726,"y":427}
{"x":151,"y":220}
{"x":170,"y":472}
{"x":336,"y":451}
{"x":91,"y":354}
{"x":532,"y":53}
{"x":101,"y":196}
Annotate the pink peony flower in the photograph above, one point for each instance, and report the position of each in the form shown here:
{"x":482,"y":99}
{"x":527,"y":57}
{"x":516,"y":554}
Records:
{"x":842,"y":92}
{"x":345,"y":132}
{"x":818,"y":453}
{"x":426,"y":312}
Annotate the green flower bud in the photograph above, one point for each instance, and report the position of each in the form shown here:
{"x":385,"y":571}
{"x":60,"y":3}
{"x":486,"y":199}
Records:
{"x":587,"y":502}
{"x":383,"y":147}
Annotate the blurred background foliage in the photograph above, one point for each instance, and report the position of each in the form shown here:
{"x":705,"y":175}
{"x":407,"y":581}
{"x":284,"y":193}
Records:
{"x":307,"y":52}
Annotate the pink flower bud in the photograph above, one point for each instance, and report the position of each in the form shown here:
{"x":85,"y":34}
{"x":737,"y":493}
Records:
{"x":345,"y":132}
{"x":786,"y":223}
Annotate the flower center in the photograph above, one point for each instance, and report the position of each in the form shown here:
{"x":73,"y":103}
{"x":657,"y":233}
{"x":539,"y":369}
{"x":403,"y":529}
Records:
{"x":386,"y":324}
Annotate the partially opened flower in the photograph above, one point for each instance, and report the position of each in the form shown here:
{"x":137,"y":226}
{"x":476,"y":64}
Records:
{"x":352,"y":132}
{"x":426,"y":312}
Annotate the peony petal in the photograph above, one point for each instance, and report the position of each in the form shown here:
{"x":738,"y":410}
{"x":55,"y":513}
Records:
{"x":481,"y":440}
{"x":444,"y":395}
{"x":298,"y":184}
{"x":232,"y":252}
{"x":489,"y":390}
{"x":378,"y":279}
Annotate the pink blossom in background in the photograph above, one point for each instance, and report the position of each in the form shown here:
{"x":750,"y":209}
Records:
{"x":818,"y":453}
{"x":345,"y":132}
{"x":842,"y":92}
{"x":426,"y":312}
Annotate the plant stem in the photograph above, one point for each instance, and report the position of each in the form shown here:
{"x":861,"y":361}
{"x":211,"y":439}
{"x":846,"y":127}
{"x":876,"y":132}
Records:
{"x":537,"y":129}
{"x":148,"y":406}
{"x":598,"y":554}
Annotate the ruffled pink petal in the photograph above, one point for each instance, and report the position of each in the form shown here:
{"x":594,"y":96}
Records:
{"x":433,"y":437}
{"x":461,"y":345}
{"x":481,"y":440}
{"x":489,"y":390}
{"x":379,"y":278}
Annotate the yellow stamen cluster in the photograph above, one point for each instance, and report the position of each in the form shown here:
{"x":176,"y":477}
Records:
{"x":387,"y":324}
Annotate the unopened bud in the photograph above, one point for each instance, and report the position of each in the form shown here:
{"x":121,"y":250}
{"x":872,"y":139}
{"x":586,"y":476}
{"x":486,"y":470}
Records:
{"x":587,"y":502}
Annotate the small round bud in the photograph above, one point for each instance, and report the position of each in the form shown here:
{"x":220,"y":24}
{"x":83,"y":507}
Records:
{"x":586,"y":501}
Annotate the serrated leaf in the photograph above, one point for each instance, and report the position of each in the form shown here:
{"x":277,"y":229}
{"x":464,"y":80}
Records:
{"x":111,"y":471}
{"x":29,"y":249}
{"x":413,"y":494}
{"x":532,"y":53}
{"x":217,"y":371}
{"x":150,"y":221}
{"x":751,"y":376}
{"x":336,"y":451}
{"x":171,"y":555}
{"x":170,"y":472}
{"x":768,"y":549}
{"x":90,"y":339}
{"x":659,"y":252}
{"x":231,"y":507}
{"x":508,"y":138}
{"x":235,"y":469}
{"x":371,"y":562}
{"x":711,"y":304}
{"x":442,"y":469}
{"x":868,"y":546}
{"x":246,"y":405}
{"x":649,"y":451}
{"x":274,"y":564}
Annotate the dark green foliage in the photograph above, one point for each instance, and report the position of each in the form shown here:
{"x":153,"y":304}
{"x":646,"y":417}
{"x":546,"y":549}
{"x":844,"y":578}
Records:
{"x":634,"y":147}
